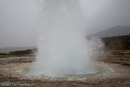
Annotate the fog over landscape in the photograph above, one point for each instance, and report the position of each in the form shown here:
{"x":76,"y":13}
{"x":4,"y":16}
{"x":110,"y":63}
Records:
{"x":19,"y":23}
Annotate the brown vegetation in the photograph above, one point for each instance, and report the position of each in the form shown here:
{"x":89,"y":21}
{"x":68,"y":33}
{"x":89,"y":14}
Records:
{"x":27,"y":52}
{"x":117,"y":42}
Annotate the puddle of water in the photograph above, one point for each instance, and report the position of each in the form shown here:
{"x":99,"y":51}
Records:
{"x":102,"y":71}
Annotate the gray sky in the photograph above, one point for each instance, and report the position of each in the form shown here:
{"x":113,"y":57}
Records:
{"x":18,"y":19}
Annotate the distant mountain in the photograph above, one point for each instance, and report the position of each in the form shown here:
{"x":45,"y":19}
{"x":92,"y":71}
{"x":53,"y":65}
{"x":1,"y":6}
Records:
{"x":114,"y":31}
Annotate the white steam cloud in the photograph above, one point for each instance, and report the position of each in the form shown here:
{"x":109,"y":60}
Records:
{"x":62,"y":45}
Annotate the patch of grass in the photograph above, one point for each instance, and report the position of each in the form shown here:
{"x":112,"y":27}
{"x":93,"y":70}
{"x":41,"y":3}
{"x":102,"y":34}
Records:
{"x":122,"y":52}
{"x":23,"y":55}
{"x":125,"y":52}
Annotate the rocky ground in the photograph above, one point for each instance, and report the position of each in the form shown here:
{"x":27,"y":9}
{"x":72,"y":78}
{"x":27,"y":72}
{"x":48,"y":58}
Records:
{"x":13,"y":74}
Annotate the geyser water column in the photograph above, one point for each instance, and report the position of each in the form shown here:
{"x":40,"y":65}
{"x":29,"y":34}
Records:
{"x":62,"y":44}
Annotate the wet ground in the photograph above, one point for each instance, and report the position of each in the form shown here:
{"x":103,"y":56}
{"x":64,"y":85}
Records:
{"x":114,"y":71}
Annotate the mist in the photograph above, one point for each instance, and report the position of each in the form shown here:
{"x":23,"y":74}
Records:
{"x":62,"y":45}
{"x":19,"y":19}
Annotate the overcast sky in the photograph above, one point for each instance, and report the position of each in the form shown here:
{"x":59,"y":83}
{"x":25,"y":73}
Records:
{"x":18,"y":19}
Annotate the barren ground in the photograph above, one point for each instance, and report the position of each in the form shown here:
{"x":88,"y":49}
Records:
{"x":13,"y":74}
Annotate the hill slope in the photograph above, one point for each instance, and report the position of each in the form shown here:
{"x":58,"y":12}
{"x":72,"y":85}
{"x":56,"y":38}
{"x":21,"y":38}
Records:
{"x":114,"y":31}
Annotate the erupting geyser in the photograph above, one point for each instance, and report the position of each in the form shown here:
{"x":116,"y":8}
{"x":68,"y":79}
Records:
{"x":62,"y":45}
